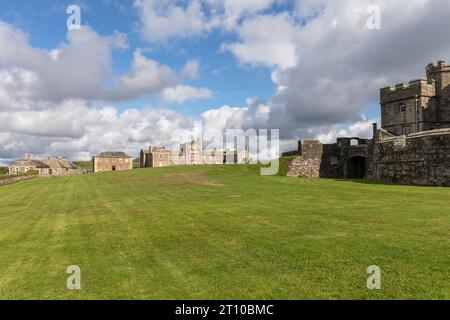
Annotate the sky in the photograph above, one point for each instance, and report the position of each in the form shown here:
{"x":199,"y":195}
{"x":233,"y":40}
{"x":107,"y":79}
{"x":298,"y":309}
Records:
{"x":138,"y":70}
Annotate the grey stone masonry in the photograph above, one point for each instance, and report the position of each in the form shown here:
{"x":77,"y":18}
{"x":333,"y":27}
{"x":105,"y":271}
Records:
{"x":420,"y":159}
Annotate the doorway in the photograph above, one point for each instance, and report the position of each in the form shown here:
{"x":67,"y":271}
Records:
{"x":357,"y":168}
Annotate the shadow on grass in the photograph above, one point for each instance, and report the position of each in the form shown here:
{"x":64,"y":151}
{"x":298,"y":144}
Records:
{"x":378,"y":183}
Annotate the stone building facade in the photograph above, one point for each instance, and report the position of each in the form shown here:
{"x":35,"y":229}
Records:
{"x":112,"y":161}
{"x":47,"y":167}
{"x":347,"y":158}
{"x":411,"y":147}
{"x":420,"y":105}
{"x":156,"y":157}
{"x":60,"y":166}
{"x":191,"y":153}
{"x":28,"y":164}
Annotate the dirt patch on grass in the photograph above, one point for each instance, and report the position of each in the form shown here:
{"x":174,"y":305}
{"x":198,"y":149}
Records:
{"x":191,"y":177}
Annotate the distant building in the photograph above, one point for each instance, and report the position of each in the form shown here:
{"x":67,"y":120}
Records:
{"x":191,"y":153}
{"x":28,"y":164}
{"x":214,"y":157}
{"x":156,"y":157}
{"x":48,"y":167}
{"x":61,"y":167}
{"x":226,"y":157}
{"x":112,"y":161}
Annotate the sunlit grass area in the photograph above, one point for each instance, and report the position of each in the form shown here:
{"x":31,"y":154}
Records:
{"x":221,"y":232}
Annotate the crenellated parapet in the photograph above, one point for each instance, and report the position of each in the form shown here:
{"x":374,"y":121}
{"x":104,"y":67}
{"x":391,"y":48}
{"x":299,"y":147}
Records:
{"x":441,"y":66}
{"x":412,"y":90}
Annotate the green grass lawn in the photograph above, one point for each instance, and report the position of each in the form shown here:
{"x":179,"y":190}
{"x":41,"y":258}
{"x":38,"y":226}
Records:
{"x":221,"y":233}
{"x":86,"y":165}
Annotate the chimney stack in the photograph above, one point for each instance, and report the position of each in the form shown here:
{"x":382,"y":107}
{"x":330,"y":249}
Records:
{"x":375,"y":128}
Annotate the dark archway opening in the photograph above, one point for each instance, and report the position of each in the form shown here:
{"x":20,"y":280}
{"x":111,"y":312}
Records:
{"x":357,"y":168}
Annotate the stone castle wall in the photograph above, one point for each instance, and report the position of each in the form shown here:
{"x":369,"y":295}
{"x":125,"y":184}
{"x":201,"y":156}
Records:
{"x":10,"y":179}
{"x":315,"y":160}
{"x":307,"y":164}
{"x":419,"y":159}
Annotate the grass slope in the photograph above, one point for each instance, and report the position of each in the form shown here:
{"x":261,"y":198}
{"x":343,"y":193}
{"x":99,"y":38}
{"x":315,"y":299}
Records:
{"x":221,"y":233}
{"x":86,"y":165}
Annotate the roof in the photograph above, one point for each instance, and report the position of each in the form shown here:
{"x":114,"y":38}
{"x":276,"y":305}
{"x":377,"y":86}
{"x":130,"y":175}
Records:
{"x":113,"y":154}
{"x":59,"y":163}
{"x":29,"y":163}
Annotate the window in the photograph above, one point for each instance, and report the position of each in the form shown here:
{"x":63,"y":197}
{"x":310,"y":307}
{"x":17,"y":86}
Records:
{"x":106,"y":160}
{"x":402,"y":108}
{"x":120,"y":160}
{"x":161,"y":157}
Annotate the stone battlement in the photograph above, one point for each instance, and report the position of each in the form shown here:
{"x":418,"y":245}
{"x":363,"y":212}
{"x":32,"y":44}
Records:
{"x":440,"y":66}
{"x":422,"y":134}
{"x":413,"y":89}
{"x":417,"y":83}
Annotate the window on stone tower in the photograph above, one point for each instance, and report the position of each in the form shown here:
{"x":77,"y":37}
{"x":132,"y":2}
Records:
{"x":402,"y":108}
{"x":406,"y":130}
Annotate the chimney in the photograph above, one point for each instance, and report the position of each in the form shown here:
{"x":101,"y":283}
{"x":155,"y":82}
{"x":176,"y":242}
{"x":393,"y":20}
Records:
{"x":375,"y":128}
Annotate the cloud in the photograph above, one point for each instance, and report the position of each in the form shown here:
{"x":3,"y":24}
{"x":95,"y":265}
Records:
{"x":340,"y":64}
{"x":146,"y":76}
{"x":165,"y":19}
{"x":260,"y":47}
{"x":233,"y":11}
{"x":76,"y":69}
{"x":327,"y":67}
{"x":162,"y":20}
{"x":183,"y":93}
{"x":328,"y":134}
{"x":78,"y":130}
{"x":191,"y":69}
{"x":80,"y":68}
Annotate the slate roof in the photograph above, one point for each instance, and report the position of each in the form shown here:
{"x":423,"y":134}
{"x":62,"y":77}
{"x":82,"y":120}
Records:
{"x":113,"y":154}
{"x":29,"y":163}
{"x":59,"y":163}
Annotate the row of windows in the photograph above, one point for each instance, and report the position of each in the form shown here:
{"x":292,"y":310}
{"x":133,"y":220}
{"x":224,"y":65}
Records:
{"x":114,"y":166}
{"x":111,"y":169}
{"x":402,"y":108}
{"x":112,"y":160}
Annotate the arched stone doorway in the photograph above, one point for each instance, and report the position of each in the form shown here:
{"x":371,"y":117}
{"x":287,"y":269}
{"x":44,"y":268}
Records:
{"x":357,"y":167}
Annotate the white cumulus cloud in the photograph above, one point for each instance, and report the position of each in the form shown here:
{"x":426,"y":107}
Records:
{"x":183,"y":93}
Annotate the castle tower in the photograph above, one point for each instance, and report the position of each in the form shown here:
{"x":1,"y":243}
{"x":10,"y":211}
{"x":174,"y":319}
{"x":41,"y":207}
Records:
{"x":440,"y":73}
{"x":408,"y":108}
